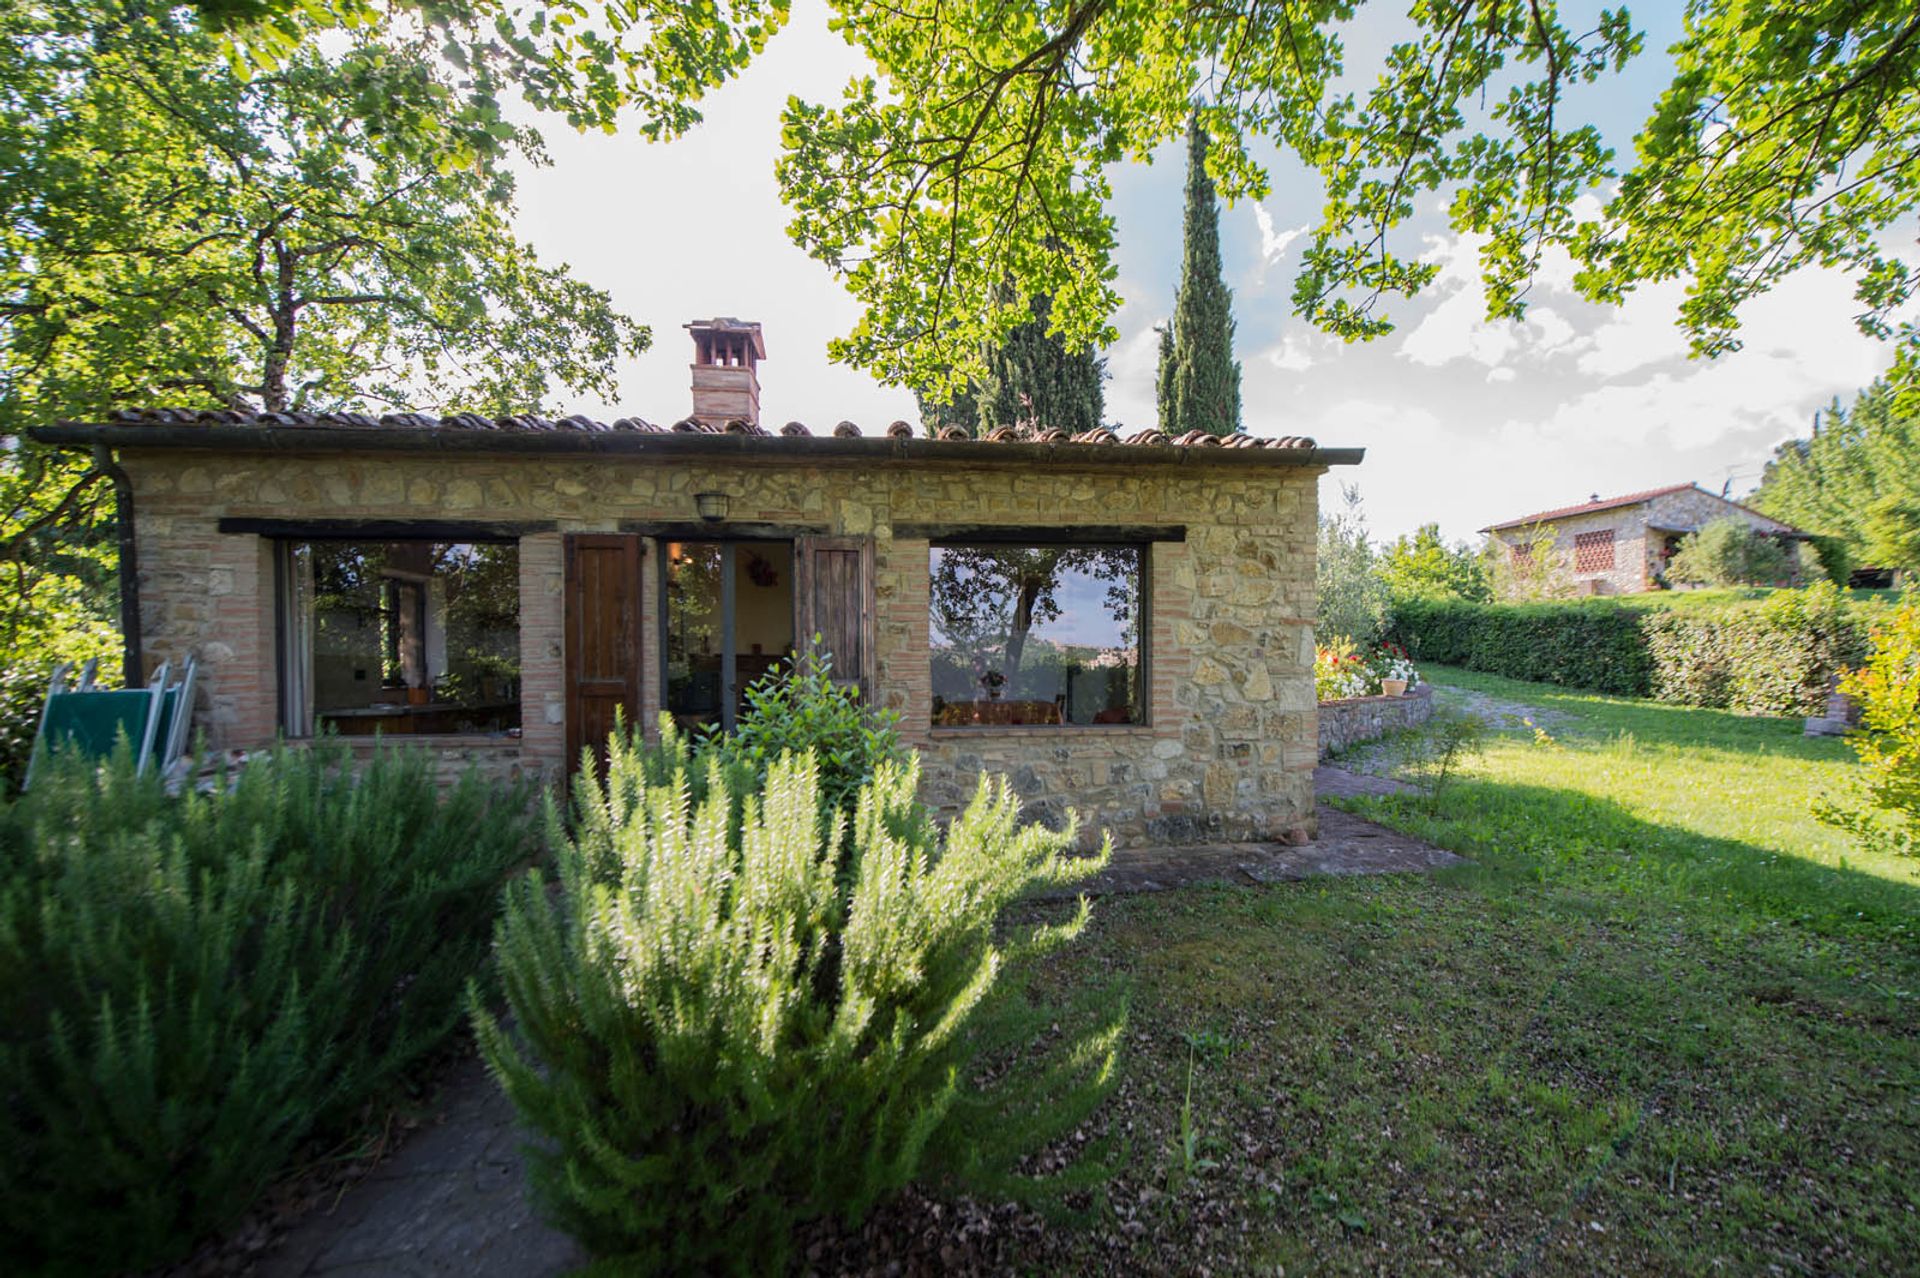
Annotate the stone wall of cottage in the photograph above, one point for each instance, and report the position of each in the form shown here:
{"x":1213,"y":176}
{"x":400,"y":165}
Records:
{"x":1229,"y":749}
{"x":1641,"y":533}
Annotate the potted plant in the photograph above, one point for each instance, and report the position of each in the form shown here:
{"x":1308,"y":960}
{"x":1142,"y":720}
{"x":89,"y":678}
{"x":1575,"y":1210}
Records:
{"x":1394,"y":669}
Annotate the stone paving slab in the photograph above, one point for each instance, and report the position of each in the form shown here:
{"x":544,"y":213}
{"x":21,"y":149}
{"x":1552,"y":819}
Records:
{"x":453,"y":1200}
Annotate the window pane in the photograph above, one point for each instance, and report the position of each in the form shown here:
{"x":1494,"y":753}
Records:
{"x":1036,"y":635}
{"x":696,"y":630}
{"x":404,"y":637}
{"x":693,"y":632}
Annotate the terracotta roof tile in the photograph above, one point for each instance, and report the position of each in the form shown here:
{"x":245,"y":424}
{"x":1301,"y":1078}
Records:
{"x":1590,"y":507}
{"x":530,"y":423}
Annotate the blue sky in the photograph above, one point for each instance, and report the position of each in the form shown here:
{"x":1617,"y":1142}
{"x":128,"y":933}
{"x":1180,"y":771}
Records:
{"x":1465,"y":422}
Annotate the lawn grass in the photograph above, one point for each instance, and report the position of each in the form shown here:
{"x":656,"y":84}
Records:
{"x":1664,"y":1023}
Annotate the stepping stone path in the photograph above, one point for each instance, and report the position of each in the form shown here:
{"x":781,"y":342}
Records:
{"x":453,"y":1199}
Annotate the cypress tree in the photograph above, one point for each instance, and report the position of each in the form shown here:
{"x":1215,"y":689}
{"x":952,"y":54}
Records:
{"x":1031,"y":377}
{"x":1203,"y":375}
{"x":962,"y":409}
{"x":1163,"y":381}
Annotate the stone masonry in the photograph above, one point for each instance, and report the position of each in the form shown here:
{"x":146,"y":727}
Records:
{"x":1229,"y":747}
{"x":1352,"y":720}
{"x":1641,"y":531}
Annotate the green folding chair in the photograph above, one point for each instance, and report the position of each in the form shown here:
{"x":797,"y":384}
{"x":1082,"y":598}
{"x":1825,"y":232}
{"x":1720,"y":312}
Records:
{"x":92,"y":720}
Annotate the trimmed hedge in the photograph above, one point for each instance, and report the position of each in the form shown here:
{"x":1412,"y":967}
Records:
{"x":1598,"y":648}
{"x":1775,"y":655}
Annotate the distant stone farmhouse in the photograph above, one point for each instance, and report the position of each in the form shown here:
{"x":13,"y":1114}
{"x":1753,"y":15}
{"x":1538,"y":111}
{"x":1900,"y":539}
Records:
{"x":1621,"y":545}
{"x":1124,"y":625}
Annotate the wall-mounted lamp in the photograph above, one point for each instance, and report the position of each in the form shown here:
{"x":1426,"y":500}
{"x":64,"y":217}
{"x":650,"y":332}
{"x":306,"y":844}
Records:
{"x":712,"y":506}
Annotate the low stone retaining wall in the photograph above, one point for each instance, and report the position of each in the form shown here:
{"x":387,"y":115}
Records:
{"x":1356,"y":719}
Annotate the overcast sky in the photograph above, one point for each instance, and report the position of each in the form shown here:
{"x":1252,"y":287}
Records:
{"x":1464,"y":422}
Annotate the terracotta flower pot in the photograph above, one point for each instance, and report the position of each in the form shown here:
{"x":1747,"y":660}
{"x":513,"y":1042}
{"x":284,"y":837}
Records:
{"x":1393,"y":687}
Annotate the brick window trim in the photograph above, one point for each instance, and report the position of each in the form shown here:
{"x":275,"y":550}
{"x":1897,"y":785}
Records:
{"x":1593,"y":551}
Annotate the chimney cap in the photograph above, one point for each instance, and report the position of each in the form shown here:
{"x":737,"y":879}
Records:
{"x":728,"y":324}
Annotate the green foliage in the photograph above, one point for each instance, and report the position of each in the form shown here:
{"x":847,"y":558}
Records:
{"x":191,"y":988}
{"x":1778,"y":656}
{"x":335,"y":234}
{"x":1163,"y":377}
{"x":1727,"y":552}
{"x":1433,"y":755}
{"x":1201,"y":377}
{"x":1772,"y":656}
{"x":58,"y":601}
{"x":1575,"y":645}
{"x":1856,"y":479}
{"x":1350,"y":594}
{"x":1534,"y":566}
{"x":799,"y":709}
{"x":1887,"y":689}
{"x":980,"y":150}
{"x":1425,"y":567}
{"x":717,"y":1036}
{"x":1031,"y":378}
{"x":961,"y":409}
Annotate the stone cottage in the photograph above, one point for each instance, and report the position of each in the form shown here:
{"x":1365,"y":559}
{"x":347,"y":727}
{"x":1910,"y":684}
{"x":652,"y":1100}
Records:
{"x":1621,"y":545}
{"x":1119,"y":624}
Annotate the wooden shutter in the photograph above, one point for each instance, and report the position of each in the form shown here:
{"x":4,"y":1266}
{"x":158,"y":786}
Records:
{"x":603,"y":638}
{"x":833,"y":577}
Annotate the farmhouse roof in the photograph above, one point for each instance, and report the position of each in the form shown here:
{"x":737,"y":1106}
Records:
{"x":1612,"y":503}
{"x":233,"y":431}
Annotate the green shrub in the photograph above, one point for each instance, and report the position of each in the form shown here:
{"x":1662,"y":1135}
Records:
{"x":1350,"y":595}
{"x":1773,"y":655}
{"x":1887,"y":689}
{"x":716,"y":1037}
{"x":1591,"y":646}
{"x":1777,"y":656}
{"x":796,"y":708}
{"x":193,"y":987}
{"x":1728,"y":552}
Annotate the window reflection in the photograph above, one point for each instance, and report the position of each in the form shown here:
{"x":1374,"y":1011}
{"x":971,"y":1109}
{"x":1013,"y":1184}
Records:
{"x":1028,"y":635}
{"x":698,"y":626}
{"x":401,"y":637}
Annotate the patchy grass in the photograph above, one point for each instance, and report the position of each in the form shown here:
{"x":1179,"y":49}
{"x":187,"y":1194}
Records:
{"x":1665,"y":1023}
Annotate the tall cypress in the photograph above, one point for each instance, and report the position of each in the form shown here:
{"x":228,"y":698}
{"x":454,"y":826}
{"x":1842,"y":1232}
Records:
{"x":1163,"y":380}
{"x":1204,"y":375}
{"x":1031,"y":377}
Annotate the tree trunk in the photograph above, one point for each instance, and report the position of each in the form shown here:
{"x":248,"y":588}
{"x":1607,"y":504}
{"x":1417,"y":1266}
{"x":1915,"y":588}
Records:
{"x":1022,"y":624}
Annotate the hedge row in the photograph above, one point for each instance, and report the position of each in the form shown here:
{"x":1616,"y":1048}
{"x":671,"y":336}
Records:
{"x":1776,"y":655}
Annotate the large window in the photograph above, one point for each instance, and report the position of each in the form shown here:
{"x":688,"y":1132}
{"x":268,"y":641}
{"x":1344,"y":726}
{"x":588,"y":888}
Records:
{"x":1034,"y":635}
{"x":400,"y":637}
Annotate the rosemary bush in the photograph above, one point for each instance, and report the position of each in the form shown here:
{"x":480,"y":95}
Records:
{"x":719,"y":1032}
{"x":193,"y":987}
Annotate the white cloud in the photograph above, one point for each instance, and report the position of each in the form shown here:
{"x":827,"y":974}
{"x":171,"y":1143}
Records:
{"x":1456,"y":326}
{"x":1291,"y":354}
{"x":1273,"y":242}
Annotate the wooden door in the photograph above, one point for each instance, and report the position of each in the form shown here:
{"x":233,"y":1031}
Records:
{"x":833,"y":600}
{"x":603,"y":639}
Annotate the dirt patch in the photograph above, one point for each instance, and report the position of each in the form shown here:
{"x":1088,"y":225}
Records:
{"x":1499,"y":714}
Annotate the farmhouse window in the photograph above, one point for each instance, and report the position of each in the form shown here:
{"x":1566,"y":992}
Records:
{"x":409,"y":637}
{"x":1593,"y":551}
{"x":1038,"y":635}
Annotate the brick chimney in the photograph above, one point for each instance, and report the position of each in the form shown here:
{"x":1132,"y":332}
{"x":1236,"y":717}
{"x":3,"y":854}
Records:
{"x":726,"y":382}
